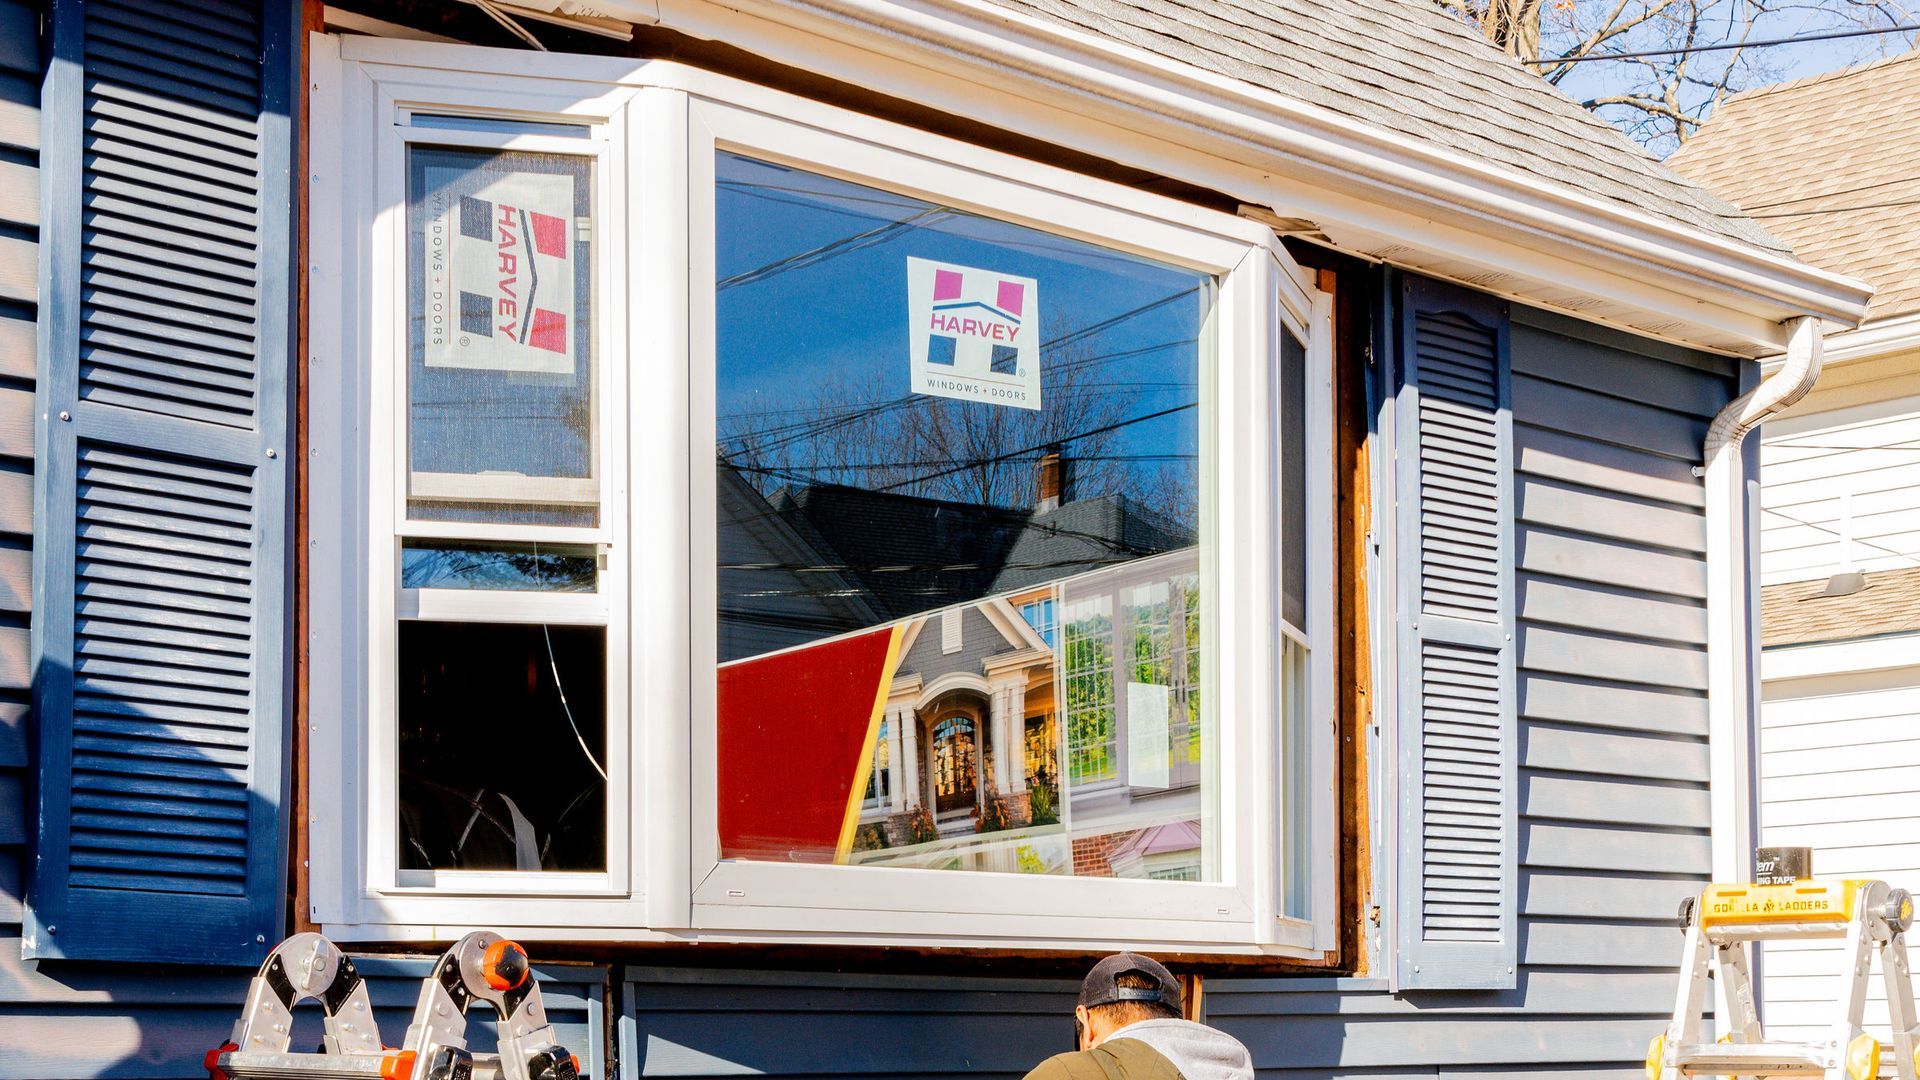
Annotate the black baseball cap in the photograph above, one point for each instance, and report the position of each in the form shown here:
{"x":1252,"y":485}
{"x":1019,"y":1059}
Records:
{"x":1101,"y":986}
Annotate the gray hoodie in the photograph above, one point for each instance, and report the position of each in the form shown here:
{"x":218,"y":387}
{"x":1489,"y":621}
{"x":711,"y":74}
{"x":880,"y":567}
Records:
{"x":1198,"y":1051}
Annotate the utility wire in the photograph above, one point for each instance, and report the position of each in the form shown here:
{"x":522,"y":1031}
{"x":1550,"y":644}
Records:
{"x":1908,"y":555}
{"x":1555,"y":61}
{"x":978,"y":462}
{"x":1838,"y":209}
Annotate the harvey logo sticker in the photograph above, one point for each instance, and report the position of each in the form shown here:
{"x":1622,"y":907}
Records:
{"x":975,"y":334}
{"x":500,"y":276}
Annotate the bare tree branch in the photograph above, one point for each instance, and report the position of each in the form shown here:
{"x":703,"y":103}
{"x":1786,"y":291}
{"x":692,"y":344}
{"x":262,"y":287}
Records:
{"x":1662,"y":100}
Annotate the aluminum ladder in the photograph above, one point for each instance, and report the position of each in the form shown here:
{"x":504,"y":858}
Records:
{"x":1869,"y":915}
{"x":481,"y":966}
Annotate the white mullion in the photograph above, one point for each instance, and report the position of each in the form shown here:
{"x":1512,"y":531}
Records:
{"x":500,"y":607}
{"x":387,"y":442}
{"x":490,"y":532}
{"x":1323,"y":713}
{"x":593,"y":146}
{"x":662,"y":752}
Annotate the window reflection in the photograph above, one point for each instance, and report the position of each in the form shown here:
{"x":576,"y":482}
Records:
{"x":957,"y":475}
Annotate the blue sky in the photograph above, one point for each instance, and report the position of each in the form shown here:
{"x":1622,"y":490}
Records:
{"x":812,"y":309}
{"x":1758,"y":67}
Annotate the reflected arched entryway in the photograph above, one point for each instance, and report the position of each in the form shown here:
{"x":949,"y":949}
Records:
{"x":956,"y":777}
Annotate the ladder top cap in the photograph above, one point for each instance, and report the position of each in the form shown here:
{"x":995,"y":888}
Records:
{"x":1828,"y":899}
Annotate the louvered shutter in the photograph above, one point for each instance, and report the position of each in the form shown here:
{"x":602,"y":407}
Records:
{"x":161,"y":598}
{"x":1456,"y":743}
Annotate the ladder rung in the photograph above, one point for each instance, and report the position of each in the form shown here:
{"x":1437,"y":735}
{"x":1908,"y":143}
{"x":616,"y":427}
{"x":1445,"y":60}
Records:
{"x":253,"y":1065}
{"x":256,"y":1065}
{"x":1751,"y":1059}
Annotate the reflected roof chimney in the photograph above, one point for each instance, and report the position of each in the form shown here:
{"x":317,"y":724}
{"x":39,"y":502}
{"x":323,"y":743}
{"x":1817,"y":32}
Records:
{"x":1052,"y":478}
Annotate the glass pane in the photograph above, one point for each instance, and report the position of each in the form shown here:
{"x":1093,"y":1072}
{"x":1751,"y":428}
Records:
{"x":502,"y":747}
{"x":959,"y":503}
{"x":1293,"y":480}
{"x":501,"y":408}
{"x":447,"y":564}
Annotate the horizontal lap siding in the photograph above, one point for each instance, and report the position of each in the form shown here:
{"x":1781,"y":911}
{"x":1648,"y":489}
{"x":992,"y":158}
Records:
{"x":19,"y":288}
{"x":687,"y":1023}
{"x":1613,"y":753}
{"x":1839,"y":773}
{"x":1853,"y":474}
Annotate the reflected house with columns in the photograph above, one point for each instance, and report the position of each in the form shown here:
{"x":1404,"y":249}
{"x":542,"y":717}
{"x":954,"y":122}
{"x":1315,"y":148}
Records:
{"x":1047,"y":721}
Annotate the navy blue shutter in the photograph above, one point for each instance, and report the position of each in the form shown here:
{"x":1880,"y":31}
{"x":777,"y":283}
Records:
{"x":1457,"y":771}
{"x":162,"y":587}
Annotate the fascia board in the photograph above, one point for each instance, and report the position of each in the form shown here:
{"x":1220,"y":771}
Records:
{"x":1883,"y":653}
{"x":1167,"y":103}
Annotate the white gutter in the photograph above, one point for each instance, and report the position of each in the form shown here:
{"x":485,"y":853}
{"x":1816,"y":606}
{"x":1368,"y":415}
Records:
{"x":1733,"y":659}
{"x":1178,"y":104}
{"x":1881,"y":337}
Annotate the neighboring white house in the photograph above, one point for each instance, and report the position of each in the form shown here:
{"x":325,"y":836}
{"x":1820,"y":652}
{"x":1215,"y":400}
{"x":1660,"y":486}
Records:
{"x":1829,"y":166}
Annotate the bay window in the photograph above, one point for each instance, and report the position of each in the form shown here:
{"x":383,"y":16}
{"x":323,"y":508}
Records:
{"x":742,"y":519}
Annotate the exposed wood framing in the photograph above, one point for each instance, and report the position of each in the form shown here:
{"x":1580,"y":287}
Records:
{"x":1352,"y":662}
{"x":312,"y":19}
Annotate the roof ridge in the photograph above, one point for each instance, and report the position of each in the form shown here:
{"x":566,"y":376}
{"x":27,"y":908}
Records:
{"x":1807,"y":81}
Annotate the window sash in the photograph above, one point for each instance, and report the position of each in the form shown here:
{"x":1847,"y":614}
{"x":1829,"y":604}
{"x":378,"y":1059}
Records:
{"x":1235,"y":493}
{"x":389,"y":405}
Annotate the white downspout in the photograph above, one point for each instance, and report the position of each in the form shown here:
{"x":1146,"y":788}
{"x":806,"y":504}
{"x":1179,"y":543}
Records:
{"x":1733,"y":657}
{"x":1732,"y":661}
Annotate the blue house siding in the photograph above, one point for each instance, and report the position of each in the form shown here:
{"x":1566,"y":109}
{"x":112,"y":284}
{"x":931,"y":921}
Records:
{"x":700,"y":1023}
{"x":1613,"y":740}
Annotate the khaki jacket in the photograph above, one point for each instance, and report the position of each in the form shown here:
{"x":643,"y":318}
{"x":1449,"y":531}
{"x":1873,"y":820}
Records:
{"x":1115,"y":1059}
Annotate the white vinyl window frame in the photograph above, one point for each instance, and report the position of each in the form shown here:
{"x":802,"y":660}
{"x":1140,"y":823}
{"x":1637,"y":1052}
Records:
{"x":1259,"y":290}
{"x":658,"y":126}
{"x":360,"y":478}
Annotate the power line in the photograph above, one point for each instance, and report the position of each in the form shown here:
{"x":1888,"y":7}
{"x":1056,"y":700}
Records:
{"x":980,"y":461}
{"x":1838,"y":209}
{"x":1908,"y":555}
{"x":1904,"y":28}
{"x":1830,"y":194}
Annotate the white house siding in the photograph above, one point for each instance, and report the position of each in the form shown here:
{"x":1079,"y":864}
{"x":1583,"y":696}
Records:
{"x":1842,"y":476}
{"x":1840,"y":773}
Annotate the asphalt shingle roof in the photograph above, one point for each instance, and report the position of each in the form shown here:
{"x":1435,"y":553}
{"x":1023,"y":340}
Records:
{"x":1831,"y":166}
{"x":1794,"y":612}
{"x":911,"y":554}
{"x":1409,"y":67}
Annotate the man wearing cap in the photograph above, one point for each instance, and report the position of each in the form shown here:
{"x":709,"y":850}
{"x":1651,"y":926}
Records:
{"x":1129,"y":1027}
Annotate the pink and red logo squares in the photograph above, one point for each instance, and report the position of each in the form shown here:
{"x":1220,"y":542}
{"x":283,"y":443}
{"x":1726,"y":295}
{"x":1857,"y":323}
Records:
{"x":1010,"y":299}
{"x":544,"y":329}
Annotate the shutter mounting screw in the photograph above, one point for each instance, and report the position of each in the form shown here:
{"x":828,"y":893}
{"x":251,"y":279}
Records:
{"x":52,"y":929}
{"x":65,"y":415}
{"x":273,"y":453}
{"x":259,"y":939}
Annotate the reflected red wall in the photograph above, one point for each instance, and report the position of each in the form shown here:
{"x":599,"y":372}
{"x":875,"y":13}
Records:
{"x":795,"y":740}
